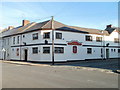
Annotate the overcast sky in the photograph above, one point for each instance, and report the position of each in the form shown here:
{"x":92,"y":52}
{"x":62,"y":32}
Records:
{"x":84,"y":14}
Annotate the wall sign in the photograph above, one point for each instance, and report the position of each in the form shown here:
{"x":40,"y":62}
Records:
{"x":74,"y":43}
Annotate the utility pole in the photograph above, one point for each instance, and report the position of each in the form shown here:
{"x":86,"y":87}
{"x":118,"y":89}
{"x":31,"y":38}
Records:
{"x":103,"y":52}
{"x":102,"y":45}
{"x":52,"y":26}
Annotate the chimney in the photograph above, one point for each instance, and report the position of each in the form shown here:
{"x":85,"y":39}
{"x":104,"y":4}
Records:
{"x":10,"y":27}
{"x":25,"y":22}
{"x":109,"y":26}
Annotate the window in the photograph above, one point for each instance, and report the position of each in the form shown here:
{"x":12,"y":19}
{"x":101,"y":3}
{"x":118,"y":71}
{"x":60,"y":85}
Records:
{"x":101,"y":50}
{"x":13,"y":49}
{"x":116,"y":40}
{"x":114,"y":50}
{"x":89,"y":50}
{"x":88,"y":38}
{"x":118,"y":50}
{"x":35,"y":50}
{"x":35,"y":36}
{"x":99,"y":39}
{"x":4,"y":41}
{"x":111,"y":50}
{"x":8,"y":41}
{"x":23,"y":36}
{"x":18,"y":40}
{"x":13,"y":40}
{"x":58,"y":35}
{"x":46,"y":49}
{"x":59,"y":49}
{"x":46,"y":35}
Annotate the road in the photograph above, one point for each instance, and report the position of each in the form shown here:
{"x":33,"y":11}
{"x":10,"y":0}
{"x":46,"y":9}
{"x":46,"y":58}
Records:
{"x":26,"y":76}
{"x":110,"y":64}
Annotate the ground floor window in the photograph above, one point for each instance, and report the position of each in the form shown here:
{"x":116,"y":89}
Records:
{"x":59,"y":49}
{"x":114,"y":50}
{"x":111,"y":50}
{"x":89,"y":50}
{"x":118,"y":50}
{"x":35,"y":50}
{"x":46,"y":50}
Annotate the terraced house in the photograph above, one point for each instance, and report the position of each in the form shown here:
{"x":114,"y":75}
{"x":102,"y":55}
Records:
{"x":34,"y":42}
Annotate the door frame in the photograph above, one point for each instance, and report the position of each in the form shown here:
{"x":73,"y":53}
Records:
{"x":25,"y":54}
{"x":107,"y":53}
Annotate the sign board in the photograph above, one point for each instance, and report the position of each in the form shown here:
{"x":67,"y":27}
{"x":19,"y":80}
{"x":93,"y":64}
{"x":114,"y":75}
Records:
{"x":74,"y":43}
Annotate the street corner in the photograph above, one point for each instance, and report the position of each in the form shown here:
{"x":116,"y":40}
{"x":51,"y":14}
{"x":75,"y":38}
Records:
{"x":25,"y":63}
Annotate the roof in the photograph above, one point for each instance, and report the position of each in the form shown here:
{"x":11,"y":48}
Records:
{"x":91,"y":31}
{"x":15,"y":30}
{"x":47,"y":25}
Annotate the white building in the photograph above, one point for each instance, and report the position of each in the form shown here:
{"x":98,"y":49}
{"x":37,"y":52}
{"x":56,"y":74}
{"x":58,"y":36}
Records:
{"x":33,"y":42}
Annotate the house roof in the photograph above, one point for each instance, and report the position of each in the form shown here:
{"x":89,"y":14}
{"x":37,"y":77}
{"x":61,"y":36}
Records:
{"x":91,"y":31}
{"x":15,"y":30}
{"x":47,"y":25}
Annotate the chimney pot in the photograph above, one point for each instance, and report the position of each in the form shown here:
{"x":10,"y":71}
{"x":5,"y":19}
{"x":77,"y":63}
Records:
{"x":10,"y":27}
{"x":25,"y":22}
{"x":109,"y":26}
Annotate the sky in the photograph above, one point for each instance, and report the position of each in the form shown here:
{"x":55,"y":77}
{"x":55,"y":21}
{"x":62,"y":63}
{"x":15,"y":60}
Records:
{"x":83,"y":14}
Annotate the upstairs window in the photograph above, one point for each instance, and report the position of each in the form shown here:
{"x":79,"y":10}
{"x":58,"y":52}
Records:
{"x":46,"y":35}
{"x":23,"y":36}
{"x":98,"y":39}
{"x":46,"y":50}
{"x":89,"y":50}
{"x":88,"y":38}
{"x":35,"y":50}
{"x":13,"y":40}
{"x":58,"y":35}
{"x":116,"y":40}
{"x":4,"y":41}
{"x":35,"y":36}
{"x":59,"y":49}
{"x":18,"y":40}
{"x":8,"y":41}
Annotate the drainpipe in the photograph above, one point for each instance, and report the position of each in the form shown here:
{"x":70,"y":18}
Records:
{"x":20,"y":45}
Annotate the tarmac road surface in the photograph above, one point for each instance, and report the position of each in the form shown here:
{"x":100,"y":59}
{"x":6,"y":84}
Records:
{"x":26,"y":76}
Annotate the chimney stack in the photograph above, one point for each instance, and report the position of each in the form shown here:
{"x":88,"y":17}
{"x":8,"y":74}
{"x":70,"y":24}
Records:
{"x":25,"y":22}
{"x":10,"y":27}
{"x":109,"y":26}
